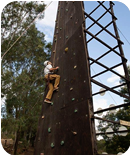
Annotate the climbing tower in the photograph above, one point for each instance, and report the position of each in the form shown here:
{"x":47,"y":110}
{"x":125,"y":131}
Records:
{"x":67,"y":126}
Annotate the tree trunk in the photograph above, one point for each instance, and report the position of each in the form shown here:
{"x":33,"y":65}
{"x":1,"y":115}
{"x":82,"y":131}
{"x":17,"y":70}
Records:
{"x":16,"y":142}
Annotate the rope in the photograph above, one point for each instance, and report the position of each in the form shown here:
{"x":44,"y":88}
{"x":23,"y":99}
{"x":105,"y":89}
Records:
{"x":25,"y":30}
{"x":123,"y":36}
{"x":33,"y":108}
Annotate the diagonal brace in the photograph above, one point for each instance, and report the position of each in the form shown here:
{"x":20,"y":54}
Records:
{"x":111,"y":108}
{"x":108,"y":69}
{"x":107,"y":9}
{"x":102,"y":42}
{"x":96,"y":8}
{"x":95,"y":21}
{"x":110,"y":89}
{"x":100,"y":31}
{"x":104,"y":54}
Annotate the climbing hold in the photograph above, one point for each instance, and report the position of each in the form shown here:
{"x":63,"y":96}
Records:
{"x":67,"y":10}
{"x":75,"y":22}
{"x":70,"y":17}
{"x":66,"y":49}
{"x":49,"y":130}
{"x":60,"y":37}
{"x":62,"y":142}
{"x":75,"y":67}
{"x":75,"y":133}
{"x":71,"y":88}
{"x":67,"y":37}
{"x":51,"y":103}
{"x":73,"y":53}
{"x":54,"y":51}
{"x":86,"y":115}
{"x":42,"y":154}
{"x":43,"y":117}
{"x":54,"y":36}
{"x":84,"y":81}
{"x":57,"y":27}
{"x":60,"y":28}
{"x":79,"y":36}
{"x":39,"y":138}
{"x":65,"y":80}
{"x":76,"y":110}
{"x":52,"y":145}
{"x":55,"y":40}
{"x":73,"y":99}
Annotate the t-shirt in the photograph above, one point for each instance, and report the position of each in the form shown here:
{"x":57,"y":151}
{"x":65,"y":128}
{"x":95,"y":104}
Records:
{"x":47,"y":69}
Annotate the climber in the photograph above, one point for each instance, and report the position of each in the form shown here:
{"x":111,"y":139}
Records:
{"x":49,"y":76}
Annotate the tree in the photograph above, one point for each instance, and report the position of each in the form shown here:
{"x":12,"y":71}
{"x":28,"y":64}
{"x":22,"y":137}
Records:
{"x":117,"y":143}
{"x":16,"y":16}
{"x":22,"y":70}
{"x":101,"y":146}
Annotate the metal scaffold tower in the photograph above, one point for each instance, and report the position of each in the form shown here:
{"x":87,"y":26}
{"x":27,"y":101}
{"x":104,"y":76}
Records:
{"x":68,"y":126}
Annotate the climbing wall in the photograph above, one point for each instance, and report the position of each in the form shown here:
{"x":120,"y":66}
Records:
{"x":66,"y":128}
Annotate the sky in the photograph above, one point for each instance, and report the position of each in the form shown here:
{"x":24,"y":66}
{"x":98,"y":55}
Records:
{"x":122,"y":13}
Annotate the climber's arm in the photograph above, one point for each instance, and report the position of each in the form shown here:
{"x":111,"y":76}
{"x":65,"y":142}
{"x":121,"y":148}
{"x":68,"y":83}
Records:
{"x":53,"y":69}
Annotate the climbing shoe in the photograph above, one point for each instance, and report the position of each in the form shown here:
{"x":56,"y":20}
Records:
{"x":56,"y":89}
{"x":47,"y":101}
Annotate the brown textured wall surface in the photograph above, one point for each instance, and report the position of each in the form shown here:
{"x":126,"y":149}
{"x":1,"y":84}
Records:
{"x":69,"y":116}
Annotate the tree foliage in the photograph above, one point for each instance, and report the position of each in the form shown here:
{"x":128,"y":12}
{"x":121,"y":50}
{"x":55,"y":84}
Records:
{"x":22,"y":70}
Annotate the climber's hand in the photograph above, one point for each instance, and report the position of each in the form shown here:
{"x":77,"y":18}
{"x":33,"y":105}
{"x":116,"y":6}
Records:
{"x":57,"y":67}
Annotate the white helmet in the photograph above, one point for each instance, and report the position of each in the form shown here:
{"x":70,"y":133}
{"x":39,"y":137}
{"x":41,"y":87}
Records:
{"x":45,"y":63}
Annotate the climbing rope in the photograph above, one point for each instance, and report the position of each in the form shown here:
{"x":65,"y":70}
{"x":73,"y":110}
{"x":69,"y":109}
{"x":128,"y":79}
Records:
{"x":124,"y":36}
{"x":33,"y":107}
{"x":25,"y":31}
